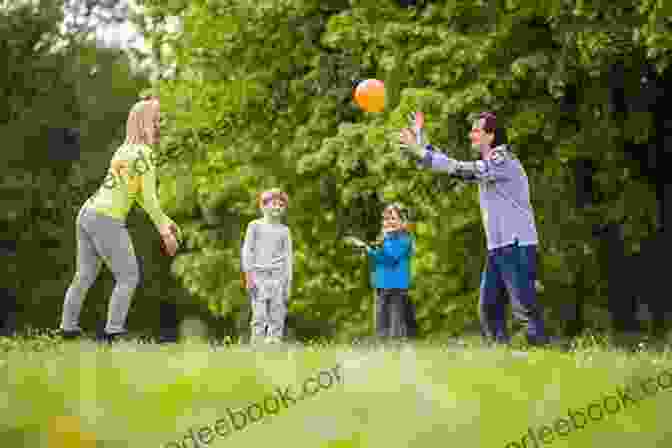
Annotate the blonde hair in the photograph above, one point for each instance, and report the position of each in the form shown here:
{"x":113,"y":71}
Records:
{"x":140,"y":123}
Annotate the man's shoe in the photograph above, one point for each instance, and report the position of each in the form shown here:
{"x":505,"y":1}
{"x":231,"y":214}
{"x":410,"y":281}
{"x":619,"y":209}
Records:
{"x":538,"y":341}
{"x":167,"y":339}
{"x":561,"y":344}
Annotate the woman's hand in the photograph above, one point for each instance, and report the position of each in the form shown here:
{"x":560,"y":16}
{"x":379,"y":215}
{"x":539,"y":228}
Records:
{"x":169,"y":234}
{"x":169,"y":244}
{"x":173,"y":228}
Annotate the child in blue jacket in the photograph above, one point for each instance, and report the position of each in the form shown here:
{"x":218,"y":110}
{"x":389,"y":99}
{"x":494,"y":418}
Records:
{"x":392,"y":273}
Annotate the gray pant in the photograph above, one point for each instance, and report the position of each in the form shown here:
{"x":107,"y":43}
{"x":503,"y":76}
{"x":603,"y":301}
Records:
{"x":269,"y":305}
{"x":390,"y":313}
{"x":102,"y":238}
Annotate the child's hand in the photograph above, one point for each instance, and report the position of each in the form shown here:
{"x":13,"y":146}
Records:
{"x":356,"y":242}
{"x":249,"y":280}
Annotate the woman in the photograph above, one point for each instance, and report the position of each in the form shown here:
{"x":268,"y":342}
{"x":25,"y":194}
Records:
{"x":101,"y":224}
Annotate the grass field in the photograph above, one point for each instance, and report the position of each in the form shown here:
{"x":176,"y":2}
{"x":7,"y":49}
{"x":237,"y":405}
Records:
{"x":80,"y":394}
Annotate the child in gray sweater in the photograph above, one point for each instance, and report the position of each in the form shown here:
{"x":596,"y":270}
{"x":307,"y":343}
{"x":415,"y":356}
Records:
{"x":266,"y":260}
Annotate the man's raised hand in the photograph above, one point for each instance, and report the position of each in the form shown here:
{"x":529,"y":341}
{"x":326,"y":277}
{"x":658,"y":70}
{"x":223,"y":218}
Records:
{"x":416,"y":122}
{"x":407,"y":143}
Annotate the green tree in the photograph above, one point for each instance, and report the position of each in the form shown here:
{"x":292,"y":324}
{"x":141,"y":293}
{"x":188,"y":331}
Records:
{"x":65,"y":101}
{"x":261,"y":96}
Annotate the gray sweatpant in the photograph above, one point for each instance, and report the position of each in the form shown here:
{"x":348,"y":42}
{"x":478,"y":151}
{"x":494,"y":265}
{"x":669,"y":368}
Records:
{"x":269,"y":305}
{"x":102,"y":238}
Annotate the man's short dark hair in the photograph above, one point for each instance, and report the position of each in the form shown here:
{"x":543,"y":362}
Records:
{"x":489,"y":121}
{"x":490,"y":126}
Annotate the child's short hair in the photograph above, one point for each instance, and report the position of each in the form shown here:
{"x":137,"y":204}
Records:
{"x":274,"y":193}
{"x":403,"y":214}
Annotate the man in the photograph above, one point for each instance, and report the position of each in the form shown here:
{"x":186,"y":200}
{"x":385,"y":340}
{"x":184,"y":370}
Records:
{"x":509,"y":225}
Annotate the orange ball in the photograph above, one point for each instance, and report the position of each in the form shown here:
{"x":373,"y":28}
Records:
{"x":370,"y":95}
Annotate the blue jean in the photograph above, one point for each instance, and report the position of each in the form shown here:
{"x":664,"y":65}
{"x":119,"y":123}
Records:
{"x":511,"y":269}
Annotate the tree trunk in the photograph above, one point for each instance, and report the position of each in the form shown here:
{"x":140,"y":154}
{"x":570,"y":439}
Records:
{"x":583,"y":175}
{"x":649,"y":273}
{"x":169,"y":321}
{"x":574,"y":316}
{"x":622,"y":304}
{"x":654,"y":253}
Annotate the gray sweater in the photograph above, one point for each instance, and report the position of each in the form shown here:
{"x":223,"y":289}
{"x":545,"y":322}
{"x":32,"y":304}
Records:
{"x":267,"y":246}
{"x":503,"y":192}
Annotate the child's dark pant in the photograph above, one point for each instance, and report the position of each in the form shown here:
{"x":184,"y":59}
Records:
{"x":511,"y":269}
{"x":390,"y":313}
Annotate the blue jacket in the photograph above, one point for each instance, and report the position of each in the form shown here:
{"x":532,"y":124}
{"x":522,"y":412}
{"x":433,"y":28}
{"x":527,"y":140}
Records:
{"x":392,"y":261}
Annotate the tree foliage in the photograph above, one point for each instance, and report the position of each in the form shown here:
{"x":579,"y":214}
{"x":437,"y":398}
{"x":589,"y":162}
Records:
{"x":65,"y":99}
{"x":263,"y":92}
{"x":258,"y":94}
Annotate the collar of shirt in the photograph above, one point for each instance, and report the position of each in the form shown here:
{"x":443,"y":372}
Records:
{"x":499,"y":154}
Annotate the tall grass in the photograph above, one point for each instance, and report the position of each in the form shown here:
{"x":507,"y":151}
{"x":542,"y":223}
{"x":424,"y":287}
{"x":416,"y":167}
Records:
{"x":81,"y":394}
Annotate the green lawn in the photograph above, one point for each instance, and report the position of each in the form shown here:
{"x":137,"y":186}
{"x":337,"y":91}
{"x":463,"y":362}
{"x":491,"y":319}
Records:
{"x":142,"y":395}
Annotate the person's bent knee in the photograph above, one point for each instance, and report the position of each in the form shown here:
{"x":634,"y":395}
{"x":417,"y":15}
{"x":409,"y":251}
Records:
{"x":84,"y":280}
{"x":134,"y":279}
{"x":130,"y":278}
